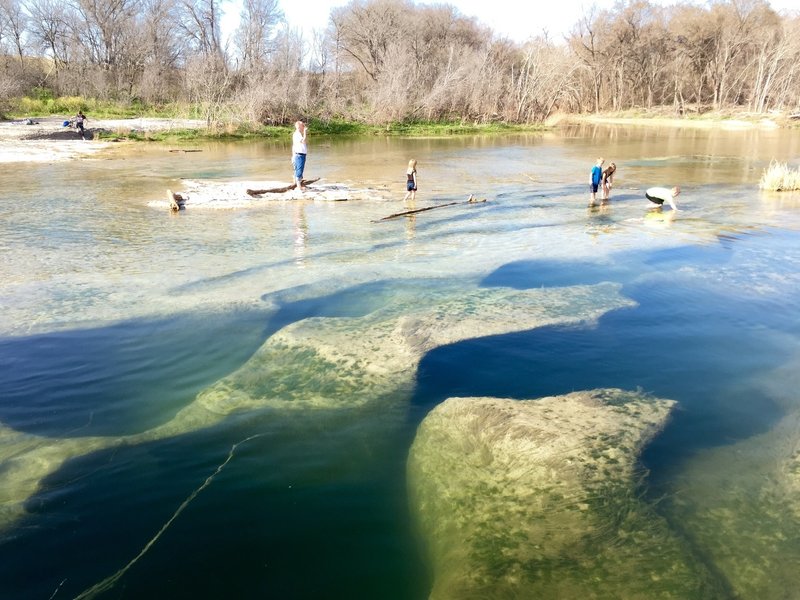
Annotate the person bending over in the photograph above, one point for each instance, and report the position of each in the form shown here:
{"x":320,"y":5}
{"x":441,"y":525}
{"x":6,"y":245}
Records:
{"x":608,"y":180}
{"x":659,"y":195}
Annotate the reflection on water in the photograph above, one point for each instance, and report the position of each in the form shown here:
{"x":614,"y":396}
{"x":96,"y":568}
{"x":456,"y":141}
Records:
{"x":139,"y":348}
{"x":300,"y":235}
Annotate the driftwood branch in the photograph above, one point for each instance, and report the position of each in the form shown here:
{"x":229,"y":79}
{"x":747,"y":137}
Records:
{"x":472,"y":200}
{"x":280,"y":190}
{"x":176,"y":201}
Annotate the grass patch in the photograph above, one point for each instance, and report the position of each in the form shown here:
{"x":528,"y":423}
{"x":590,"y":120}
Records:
{"x":779,"y":177}
{"x":412,"y":129}
{"x":189,"y":135}
{"x":233,"y":132}
{"x":44,"y":105}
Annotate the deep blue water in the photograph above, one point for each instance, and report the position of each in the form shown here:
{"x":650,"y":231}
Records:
{"x":688,"y":339}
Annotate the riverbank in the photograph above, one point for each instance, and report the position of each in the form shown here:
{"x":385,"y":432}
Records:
{"x":46,"y":139}
{"x":731,"y":120}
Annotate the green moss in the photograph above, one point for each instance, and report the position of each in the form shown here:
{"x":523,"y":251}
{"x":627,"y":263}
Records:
{"x":541,"y":520}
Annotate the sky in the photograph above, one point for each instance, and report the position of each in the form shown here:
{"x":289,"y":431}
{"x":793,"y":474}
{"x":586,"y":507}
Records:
{"x":515,"y":19}
{"x":509,"y":18}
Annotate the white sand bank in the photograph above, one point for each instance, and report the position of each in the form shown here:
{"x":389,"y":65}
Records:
{"x":47,"y":140}
{"x":216,"y":195}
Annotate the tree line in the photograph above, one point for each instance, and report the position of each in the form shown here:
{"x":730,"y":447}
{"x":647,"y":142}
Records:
{"x":382,"y":61}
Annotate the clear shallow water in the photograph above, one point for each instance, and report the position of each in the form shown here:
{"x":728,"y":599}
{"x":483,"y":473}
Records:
{"x":116,"y":316}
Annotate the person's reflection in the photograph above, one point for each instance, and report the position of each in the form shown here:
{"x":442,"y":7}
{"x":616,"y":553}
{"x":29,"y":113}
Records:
{"x":600,"y":220}
{"x":599,"y":209}
{"x":658,"y":218}
{"x":411,"y":227}
{"x":300,"y":234}
{"x":411,"y":220}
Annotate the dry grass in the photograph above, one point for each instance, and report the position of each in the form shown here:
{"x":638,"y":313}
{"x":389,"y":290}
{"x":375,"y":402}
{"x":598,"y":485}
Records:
{"x":779,"y":177}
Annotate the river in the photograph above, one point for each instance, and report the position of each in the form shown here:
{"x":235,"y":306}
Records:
{"x":213,"y":404}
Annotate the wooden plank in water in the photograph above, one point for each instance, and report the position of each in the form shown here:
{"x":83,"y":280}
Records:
{"x":471,"y":200}
{"x":280,"y":190}
{"x":176,"y":201}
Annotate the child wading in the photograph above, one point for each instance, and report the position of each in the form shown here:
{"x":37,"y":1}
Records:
{"x":597,"y":174}
{"x":411,"y":180}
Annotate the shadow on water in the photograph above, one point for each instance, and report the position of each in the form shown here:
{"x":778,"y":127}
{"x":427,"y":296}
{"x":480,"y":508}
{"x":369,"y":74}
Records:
{"x":309,"y":484}
{"x":120,"y":379}
{"x":274,"y":523}
{"x":135,"y":375}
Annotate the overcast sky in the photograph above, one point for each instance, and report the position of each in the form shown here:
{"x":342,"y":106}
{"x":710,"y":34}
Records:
{"x":506,"y":17}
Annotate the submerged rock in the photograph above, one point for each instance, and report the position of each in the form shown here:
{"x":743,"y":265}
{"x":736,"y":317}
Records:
{"x":325,"y":363}
{"x":740,"y":503}
{"x":541,"y":499}
{"x":347,"y":362}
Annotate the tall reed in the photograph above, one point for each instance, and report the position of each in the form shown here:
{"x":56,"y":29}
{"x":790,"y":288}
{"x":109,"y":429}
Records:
{"x":779,"y":177}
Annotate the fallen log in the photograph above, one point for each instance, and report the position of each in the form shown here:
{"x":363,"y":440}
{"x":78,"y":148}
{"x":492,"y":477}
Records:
{"x":472,"y":200}
{"x":280,"y":190}
{"x":189,"y":150}
{"x":176,"y":201}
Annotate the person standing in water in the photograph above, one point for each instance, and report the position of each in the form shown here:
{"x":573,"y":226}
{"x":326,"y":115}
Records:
{"x":299,"y":151}
{"x":659,"y":195}
{"x":607,"y":180}
{"x":597,"y":175}
{"x":411,"y":180}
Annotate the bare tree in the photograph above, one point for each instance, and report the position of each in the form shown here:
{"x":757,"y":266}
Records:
{"x":365,"y":30}
{"x":395,"y":60}
{"x":200,"y":22}
{"x":209,"y":85}
{"x":163,"y":50}
{"x":13,"y":25}
{"x":255,"y":32}
{"x":105,"y":26}
{"x":638,"y":50}
{"x":732,"y":26}
{"x":50,"y":29}
{"x":543,"y":79}
{"x":587,"y":44}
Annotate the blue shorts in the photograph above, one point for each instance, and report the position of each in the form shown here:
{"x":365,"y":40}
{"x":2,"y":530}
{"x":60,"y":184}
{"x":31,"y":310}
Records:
{"x":299,"y":162}
{"x":410,"y":186}
{"x":594,"y":187}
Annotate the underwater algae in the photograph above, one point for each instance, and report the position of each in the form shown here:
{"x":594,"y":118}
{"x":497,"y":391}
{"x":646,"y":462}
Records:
{"x":332,"y":363}
{"x":740,"y":503}
{"x":540,"y":499}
